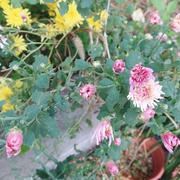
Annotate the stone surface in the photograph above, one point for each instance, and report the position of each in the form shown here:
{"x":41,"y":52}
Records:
{"x":23,"y":167}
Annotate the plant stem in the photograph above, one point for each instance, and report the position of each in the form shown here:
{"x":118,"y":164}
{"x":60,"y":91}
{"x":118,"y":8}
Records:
{"x":172,"y":120}
{"x":105,"y":34}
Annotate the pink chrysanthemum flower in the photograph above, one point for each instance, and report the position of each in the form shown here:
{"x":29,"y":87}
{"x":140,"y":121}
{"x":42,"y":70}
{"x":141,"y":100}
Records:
{"x":170,"y":140}
{"x":118,"y":66}
{"x":162,"y":36}
{"x":112,"y":167}
{"x":3,"y":41}
{"x":178,"y":54}
{"x":154,"y":18}
{"x":13,"y":143}
{"x":87,"y":91}
{"x":147,"y":95}
{"x":117,"y":141}
{"x":104,"y":131}
{"x":147,"y":114}
{"x":175,"y":24}
{"x":140,"y":75}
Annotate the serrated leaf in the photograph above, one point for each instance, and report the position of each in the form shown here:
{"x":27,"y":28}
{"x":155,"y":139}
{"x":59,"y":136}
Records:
{"x":40,"y":63}
{"x":106,"y":82}
{"x":81,"y":64}
{"x":159,"y":4}
{"x":31,"y":111}
{"x":169,"y":88}
{"x":86,"y":3}
{"x":41,"y":98}
{"x":112,"y":98}
{"x":171,"y":7}
{"x":49,"y":124}
{"x":42,"y":81}
{"x":28,"y":138}
{"x":16,"y":3}
{"x":133,"y":59}
{"x":95,"y":50}
{"x":131,"y":116}
{"x":33,"y":2}
{"x":49,"y":1}
{"x":67,"y":62}
{"x":63,"y":8}
{"x":61,"y":102}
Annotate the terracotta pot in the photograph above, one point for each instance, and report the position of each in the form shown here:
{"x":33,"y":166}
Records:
{"x":158,"y":158}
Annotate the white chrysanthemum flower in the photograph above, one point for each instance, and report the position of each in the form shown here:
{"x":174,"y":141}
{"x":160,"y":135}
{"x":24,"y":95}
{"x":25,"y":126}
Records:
{"x":138,"y":15}
{"x":147,"y":95}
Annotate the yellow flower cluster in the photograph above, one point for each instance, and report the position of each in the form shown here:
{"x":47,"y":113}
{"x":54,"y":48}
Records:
{"x":48,"y":30}
{"x":98,"y":24}
{"x":71,"y":19}
{"x":5,"y":94}
{"x":15,"y":17}
{"x":19,"y":45}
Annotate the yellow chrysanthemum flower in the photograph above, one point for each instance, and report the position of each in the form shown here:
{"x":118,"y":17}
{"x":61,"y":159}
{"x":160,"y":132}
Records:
{"x":16,"y":17}
{"x":7,"y":106}
{"x":71,"y":19}
{"x":48,"y":30}
{"x":18,"y":84}
{"x":19,"y":45}
{"x":103,"y":16}
{"x":4,"y":4}
{"x":97,"y":25}
{"x":5,"y":92}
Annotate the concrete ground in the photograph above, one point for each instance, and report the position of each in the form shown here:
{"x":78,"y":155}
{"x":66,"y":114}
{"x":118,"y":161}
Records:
{"x":23,"y":167}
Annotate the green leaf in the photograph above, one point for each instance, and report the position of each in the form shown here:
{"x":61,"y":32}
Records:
{"x":171,"y":7}
{"x":131,"y":116}
{"x":114,"y":153}
{"x":24,"y":149}
{"x":61,"y":102}
{"x":16,"y":3}
{"x":112,"y":98}
{"x":159,"y":4}
{"x":63,"y":8}
{"x":40,"y":63}
{"x":67,"y":62}
{"x":169,"y":88}
{"x":49,"y":1}
{"x":133,"y":59}
{"x":33,"y":2}
{"x":86,"y":3}
{"x":31,"y":111}
{"x":42,"y":81}
{"x":2,"y":103}
{"x":81,"y":64}
{"x":129,"y":9}
{"x":2,"y":143}
{"x":28,"y":138}
{"x":41,"y":98}
{"x":95,"y":51}
{"x":49,"y":125}
{"x":106,"y":82}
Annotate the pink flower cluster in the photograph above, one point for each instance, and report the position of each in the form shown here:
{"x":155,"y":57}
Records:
{"x":104,"y":131}
{"x":118,"y":66}
{"x":148,"y":114}
{"x":117,"y":141}
{"x":162,"y":36}
{"x":144,"y":90}
{"x":170,"y":140}
{"x":13,"y":143}
{"x":175,"y":24}
{"x":154,"y":18}
{"x":87,"y":91}
{"x":112,"y":167}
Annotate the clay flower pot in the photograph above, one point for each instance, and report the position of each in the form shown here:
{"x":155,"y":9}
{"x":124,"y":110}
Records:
{"x":158,"y":158}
